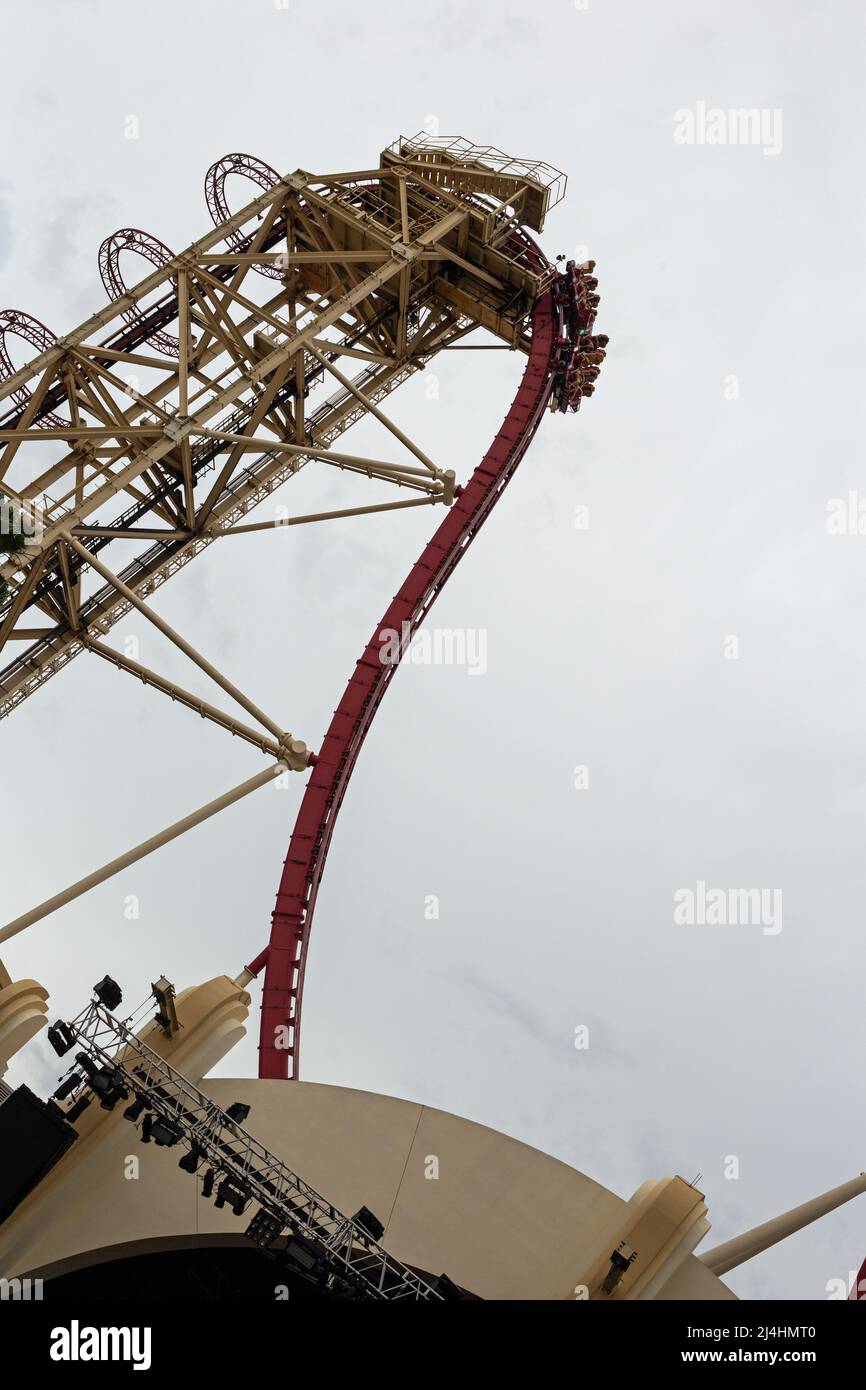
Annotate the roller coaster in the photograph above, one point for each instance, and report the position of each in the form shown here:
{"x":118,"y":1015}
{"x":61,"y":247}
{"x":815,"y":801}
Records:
{"x":166,"y":418}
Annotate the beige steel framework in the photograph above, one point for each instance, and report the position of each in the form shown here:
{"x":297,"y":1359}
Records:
{"x":122,"y":433}
{"x":160,"y":424}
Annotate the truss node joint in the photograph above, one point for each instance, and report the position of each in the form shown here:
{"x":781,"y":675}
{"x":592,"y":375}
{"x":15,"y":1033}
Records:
{"x":294,"y":753}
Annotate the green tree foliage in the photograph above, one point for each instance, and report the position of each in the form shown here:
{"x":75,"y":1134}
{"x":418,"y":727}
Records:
{"x":12,"y":538}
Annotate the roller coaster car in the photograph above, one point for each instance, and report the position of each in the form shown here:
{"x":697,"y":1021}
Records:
{"x":578,"y":319}
{"x":579,"y":316}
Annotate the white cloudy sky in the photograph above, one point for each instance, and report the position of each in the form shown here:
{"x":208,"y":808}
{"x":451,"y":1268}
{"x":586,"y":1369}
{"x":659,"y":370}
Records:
{"x":605,"y":646}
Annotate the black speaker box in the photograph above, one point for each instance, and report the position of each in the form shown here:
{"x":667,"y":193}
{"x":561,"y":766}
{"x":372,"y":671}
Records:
{"x":33,"y":1136}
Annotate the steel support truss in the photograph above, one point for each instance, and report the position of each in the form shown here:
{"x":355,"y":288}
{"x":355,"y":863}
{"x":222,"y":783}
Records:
{"x":123,"y":434}
{"x":200,"y":425}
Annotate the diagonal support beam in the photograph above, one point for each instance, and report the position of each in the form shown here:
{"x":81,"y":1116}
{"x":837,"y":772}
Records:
{"x":19,"y":603}
{"x":263,"y":405}
{"x":165,"y":628}
{"x":184,"y":697}
{"x":70,"y":587}
{"x":13,"y":439}
{"x":373,"y":409}
{"x":244,"y":441}
{"x":329,"y":516}
{"x":132,"y":856}
{"x":184,"y":355}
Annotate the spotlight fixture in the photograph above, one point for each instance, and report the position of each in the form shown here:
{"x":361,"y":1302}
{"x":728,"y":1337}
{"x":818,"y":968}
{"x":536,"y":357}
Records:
{"x":303,"y":1253}
{"x":78,"y":1109}
{"x":369,"y":1223}
{"x":164,"y":1133}
{"x":113,"y":1097}
{"x":61,"y":1037}
{"x":108,"y":992}
{"x":191,"y":1162}
{"x":228,"y":1194}
{"x":65,"y":1089}
{"x":166,"y":1014}
{"x":264,"y":1228}
{"x":134,"y":1110}
{"x":448,"y":1290}
{"x":88,"y":1066}
{"x":620,"y":1260}
{"x":238,"y":1112}
{"x":101,"y":1081}
{"x":207,"y":1182}
{"x":341,"y":1291}
{"x":107,"y":1087}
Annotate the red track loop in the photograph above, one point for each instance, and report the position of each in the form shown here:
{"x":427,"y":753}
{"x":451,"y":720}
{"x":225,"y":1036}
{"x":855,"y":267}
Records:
{"x":214,"y":191}
{"x":21,"y":325}
{"x":153,"y":250}
{"x":286,"y":956}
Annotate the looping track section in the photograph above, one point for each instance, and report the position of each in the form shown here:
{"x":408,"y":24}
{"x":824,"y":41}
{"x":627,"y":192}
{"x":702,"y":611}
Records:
{"x":285,"y":958}
{"x":17,"y":324}
{"x":150,"y":248}
{"x":247,"y":167}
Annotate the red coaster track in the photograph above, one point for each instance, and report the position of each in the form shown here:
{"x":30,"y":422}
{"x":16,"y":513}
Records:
{"x":285,"y":957}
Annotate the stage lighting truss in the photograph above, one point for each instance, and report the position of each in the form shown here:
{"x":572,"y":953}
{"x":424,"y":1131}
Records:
{"x":346,"y":1252}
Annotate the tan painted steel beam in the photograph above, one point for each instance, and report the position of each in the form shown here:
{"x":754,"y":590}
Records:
{"x":283,"y":258}
{"x":124,"y":861}
{"x":28,"y":584}
{"x":411,"y":220}
{"x":329,"y":516}
{"x":145,"y":287}
{"x":168,"y":631}
{"x":43,"y":663}
{"x":184,"y":697}
{"x":227,"y":396}
{"x":374,"y":410}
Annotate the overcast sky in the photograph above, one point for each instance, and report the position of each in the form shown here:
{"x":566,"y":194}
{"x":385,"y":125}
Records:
{"x":729,"y":413}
